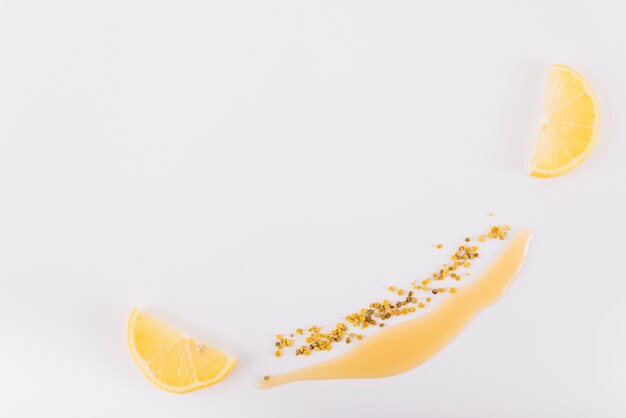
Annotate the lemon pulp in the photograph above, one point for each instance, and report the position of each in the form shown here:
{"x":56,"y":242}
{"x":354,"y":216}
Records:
{"x":570,"y":124}
{"x":170,"y":359}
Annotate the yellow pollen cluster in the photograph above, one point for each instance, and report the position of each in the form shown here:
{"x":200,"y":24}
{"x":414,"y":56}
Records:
{"x":380,"y":311}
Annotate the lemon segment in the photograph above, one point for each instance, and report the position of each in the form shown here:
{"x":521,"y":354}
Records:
{"x":570,"y":124}
{"x":170,"y":359}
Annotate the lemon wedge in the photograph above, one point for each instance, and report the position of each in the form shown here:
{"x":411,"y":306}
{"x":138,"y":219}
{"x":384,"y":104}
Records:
{"x":170,"y":359}
{"x":570,"y":124}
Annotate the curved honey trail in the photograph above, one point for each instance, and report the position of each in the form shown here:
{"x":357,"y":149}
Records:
{"x":404,"y":346}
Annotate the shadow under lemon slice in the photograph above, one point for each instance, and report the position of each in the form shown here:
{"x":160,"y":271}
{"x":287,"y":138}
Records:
{"x":569,"y":129}
{"x":170,"y":359}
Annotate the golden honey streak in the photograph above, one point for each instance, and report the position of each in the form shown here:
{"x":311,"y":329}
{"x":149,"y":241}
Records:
{"x":404,"y":346}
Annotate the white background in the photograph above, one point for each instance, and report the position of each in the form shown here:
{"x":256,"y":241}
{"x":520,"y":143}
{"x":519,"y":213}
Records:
{"x":242,"y":168}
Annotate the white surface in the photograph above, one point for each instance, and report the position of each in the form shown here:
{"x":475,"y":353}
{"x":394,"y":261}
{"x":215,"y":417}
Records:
{"x":251,"y":166}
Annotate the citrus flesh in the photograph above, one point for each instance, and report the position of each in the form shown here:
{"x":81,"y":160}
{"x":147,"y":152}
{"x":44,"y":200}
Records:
{"x":570,"y":124}
{"x":170,"y":359}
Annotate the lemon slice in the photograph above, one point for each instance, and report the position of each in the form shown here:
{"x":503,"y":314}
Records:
{"x":570,"y":124}
{"x":170,"y":359}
